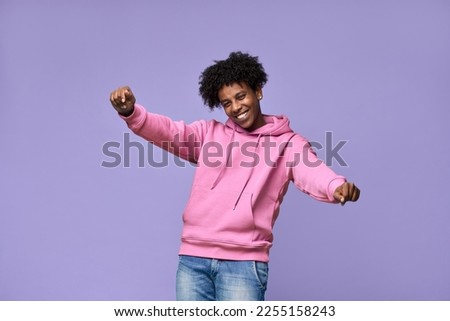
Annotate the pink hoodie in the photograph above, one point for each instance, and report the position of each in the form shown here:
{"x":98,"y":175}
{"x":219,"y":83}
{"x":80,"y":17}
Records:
{"x":240,"y":180}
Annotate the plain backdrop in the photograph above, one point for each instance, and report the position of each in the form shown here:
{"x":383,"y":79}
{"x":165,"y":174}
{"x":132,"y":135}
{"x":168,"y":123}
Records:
{"x":373,"y":73}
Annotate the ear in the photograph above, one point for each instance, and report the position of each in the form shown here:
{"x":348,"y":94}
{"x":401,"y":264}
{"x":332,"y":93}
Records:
{"x":259,"y":93}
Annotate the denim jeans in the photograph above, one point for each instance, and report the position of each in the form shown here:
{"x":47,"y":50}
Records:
{"x":203,"y":279}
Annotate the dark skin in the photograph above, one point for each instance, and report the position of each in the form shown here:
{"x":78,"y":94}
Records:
{"x":123,"y":100}
{"x":236,"y":100}
{"x":241,"y":104}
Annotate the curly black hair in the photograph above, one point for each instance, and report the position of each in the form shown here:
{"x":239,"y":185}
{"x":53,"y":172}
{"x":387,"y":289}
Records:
{"x":238,"y":67}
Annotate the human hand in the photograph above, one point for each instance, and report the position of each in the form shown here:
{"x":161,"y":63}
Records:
{"x":123,"y":100}
{"x":346,"y":192}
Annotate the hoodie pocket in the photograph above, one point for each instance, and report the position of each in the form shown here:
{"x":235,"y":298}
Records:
{"x":211,"y":215}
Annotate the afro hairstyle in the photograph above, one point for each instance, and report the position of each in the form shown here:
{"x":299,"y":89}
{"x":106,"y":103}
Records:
{"x":238,"y":67}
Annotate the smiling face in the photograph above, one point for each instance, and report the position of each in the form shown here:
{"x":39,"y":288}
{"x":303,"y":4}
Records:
{"x":241,"y":104}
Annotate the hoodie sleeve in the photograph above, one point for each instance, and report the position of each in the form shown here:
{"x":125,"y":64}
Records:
{"x":310,"y":174}
{"x":183,"y":140}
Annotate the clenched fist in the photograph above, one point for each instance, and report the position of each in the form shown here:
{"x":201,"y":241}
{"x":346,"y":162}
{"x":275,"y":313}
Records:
{"x":123,"y":100}
{"x":346,"y":192}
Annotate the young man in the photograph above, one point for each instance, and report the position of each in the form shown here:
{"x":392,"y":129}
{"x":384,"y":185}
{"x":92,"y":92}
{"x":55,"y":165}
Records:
{"x":244,"y":167}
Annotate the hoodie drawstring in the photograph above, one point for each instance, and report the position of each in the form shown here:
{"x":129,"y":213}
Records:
{"x":227,"y":159}
{"x":279,"y":125}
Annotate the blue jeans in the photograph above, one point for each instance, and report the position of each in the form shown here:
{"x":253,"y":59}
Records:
{"x":202,"y":279}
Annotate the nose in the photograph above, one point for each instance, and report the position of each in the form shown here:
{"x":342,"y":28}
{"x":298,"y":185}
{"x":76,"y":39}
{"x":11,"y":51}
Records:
{"x":235,"y":107}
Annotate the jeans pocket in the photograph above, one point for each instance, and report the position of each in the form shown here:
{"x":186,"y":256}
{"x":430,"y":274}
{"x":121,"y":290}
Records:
{"x":261,"y":270}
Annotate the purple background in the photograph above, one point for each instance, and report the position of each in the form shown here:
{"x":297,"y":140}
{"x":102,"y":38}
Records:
{"x":376,"y":73}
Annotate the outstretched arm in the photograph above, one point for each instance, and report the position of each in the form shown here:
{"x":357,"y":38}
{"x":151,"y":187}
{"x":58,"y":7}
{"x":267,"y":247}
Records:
{"x":183,"y":140}
{"x":312,"y":176}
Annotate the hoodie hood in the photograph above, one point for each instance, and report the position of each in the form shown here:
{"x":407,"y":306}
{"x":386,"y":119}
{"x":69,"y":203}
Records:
{"x":275,"y":126}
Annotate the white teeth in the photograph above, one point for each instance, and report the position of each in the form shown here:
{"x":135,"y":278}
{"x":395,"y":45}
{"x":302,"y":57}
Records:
{"x":242,"y":115}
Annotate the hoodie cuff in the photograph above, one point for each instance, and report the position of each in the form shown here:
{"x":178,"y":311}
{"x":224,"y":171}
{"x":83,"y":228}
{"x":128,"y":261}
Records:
{"x":129,"y":116}
{"x":137,"y":117}
{"x":335,"y":183}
